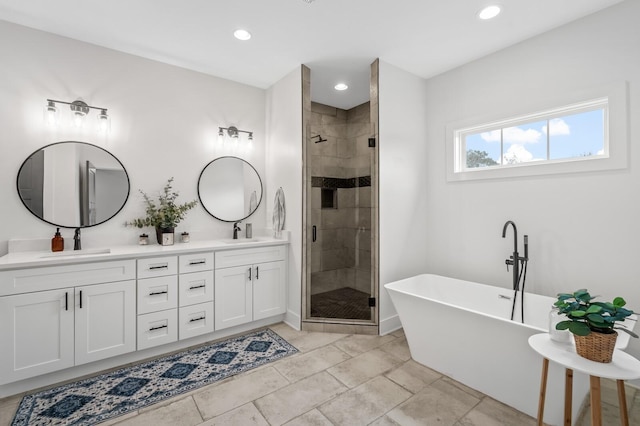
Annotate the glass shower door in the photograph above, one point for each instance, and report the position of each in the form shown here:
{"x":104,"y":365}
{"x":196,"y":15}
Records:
{"x":340,"y":285}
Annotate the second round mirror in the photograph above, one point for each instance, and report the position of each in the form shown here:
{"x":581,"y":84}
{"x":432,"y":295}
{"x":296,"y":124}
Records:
{"x":230,"y":189}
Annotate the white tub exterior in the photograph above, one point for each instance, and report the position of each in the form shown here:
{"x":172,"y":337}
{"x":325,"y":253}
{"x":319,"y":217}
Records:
{"x":462,"y":330}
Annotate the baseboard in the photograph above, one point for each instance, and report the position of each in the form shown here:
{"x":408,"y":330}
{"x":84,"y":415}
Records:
{"x":389,"y":325}
{"x":292,"y":319}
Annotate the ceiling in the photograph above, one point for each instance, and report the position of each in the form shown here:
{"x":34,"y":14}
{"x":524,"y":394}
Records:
{"x":337,"y":39}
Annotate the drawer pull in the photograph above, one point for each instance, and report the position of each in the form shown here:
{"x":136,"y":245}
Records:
{"x":197,"y":319}
{"x":159,"y":327}
{"x":198,"y":262}
{"x":155,"y":293}
{"x":197,"y":286}
{"x":159,"y":267}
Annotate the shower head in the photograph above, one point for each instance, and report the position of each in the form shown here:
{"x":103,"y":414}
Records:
{"x":319,"y":139}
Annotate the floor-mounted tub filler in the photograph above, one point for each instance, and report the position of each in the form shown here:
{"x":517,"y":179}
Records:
{"x":462,"y":330}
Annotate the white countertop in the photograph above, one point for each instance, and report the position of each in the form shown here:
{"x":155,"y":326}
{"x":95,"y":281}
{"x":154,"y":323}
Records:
{"x":27,"y":259}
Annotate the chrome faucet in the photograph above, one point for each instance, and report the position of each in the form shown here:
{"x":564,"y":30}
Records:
{"x":77,"y":244}
{"x":236,"y":228}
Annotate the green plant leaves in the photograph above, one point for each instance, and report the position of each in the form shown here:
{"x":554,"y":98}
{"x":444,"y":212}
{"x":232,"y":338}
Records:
{"x":584,"y":314}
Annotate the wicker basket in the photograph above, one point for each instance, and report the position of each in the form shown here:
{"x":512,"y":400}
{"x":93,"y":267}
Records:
{"x":596,"y":346}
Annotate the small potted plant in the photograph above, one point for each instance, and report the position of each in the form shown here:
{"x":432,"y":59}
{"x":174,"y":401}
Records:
{"x":593,"y":324}
{"x":164,"y":215}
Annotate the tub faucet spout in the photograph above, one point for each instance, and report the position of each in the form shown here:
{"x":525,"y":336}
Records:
{"x":514,"y":259}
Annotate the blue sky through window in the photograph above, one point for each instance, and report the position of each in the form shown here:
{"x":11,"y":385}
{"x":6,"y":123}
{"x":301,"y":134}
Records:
{"x":569,"y":136}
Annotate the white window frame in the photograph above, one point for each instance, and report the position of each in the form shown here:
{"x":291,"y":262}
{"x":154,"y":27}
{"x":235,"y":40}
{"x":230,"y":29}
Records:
{"x":611,"y":98}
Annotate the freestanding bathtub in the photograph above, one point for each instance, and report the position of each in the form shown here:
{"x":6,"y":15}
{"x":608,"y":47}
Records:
{"x":463,"y":330}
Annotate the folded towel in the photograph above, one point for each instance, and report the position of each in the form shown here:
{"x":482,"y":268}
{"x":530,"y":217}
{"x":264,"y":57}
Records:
{"x":278,"y":213}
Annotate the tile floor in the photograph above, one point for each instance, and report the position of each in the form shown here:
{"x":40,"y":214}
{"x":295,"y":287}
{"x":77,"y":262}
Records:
{"x":339,"y":379}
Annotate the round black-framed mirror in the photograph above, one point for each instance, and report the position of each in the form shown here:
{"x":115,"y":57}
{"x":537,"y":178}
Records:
{"x":230,"y":189}
{"x":73,"y":184}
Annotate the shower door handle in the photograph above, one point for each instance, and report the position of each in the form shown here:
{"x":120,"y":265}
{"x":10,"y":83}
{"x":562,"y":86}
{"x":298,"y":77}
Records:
{"x":314,"y":233}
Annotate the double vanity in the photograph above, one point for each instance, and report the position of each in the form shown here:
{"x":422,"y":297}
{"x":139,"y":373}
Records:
{"x":60,"y":312}
{"x":70,"y":313}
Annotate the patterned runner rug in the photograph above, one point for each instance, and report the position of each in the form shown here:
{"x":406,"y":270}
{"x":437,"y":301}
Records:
{"x":109,"y":395}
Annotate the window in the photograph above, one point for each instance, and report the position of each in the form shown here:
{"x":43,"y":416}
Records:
{"x":588,"y":134}
{"x":572,"y":133}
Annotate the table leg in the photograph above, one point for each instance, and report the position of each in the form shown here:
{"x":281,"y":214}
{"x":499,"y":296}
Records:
{"x":596,"y":407}
{"x":568,"y":395}
{"x":622,"y":400}
{"x":543,"y":390}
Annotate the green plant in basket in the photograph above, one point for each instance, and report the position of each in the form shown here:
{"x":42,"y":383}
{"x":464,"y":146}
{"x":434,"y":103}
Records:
{"x":584,"y":315}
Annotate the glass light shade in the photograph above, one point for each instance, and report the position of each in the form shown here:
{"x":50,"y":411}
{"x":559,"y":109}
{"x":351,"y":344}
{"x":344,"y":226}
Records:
{"x":104,"y":122}
{"x":51,"y":114}
{"x":78,"y":118}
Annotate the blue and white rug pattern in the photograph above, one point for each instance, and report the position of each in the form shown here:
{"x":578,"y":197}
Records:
{"x":109,"y":395}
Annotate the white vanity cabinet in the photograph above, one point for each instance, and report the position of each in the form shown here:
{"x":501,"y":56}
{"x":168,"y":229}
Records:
{"x":37,"y":335}
{"x":85,"y":308}
{"x":195,"y":289}
{"x":157,"y":301}
{"x":175,"y":298}
{"x":60,"y":316}
{"x":250,"y":284}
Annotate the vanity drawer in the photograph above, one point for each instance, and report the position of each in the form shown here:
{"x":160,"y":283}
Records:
{"x":248,"y":256}
{"x":157,"y":266}
{"x":157,"y":328}
{"x":195,"y":320}
{"x":195,"y":262}
{"x":51,"y":277}
{"x":157,"y":294}
{"x":195,"y":288}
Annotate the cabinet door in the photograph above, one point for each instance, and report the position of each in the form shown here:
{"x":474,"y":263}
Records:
{"x":36,"y":334}
{"x":269,"y":290}
{"x":105,"y":320}
{"x":232,"y":296}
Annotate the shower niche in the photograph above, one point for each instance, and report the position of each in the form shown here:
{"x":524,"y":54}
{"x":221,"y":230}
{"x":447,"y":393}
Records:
{"x":340,"y":256}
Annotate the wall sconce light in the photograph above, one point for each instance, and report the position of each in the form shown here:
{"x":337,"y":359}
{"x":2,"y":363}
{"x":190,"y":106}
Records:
{"x":233,"y":133}
{"x":79,"y":110}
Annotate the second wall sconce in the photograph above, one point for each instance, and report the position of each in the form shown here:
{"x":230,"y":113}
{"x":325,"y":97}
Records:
{"x":234,"y":132}
{"x":79,"y":110}
{"x":232,"y":135}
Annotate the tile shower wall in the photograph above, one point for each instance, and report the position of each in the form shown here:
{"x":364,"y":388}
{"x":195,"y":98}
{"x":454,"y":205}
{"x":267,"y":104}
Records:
{"x":341,"y":255}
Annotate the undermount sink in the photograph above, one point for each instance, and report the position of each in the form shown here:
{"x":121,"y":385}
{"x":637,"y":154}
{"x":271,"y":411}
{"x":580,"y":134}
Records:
{"x":240,"y":240}
{"x":76,"y":253}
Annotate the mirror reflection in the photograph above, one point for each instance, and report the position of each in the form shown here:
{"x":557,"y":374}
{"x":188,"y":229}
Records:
{"x":73,"y":184}
{"x":230,"y":189}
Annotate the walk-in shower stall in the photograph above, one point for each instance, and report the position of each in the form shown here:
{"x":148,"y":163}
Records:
{"x":341,"y":285}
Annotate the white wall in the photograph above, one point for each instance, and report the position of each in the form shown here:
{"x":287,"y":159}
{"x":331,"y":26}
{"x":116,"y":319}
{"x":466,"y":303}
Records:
{"x":583,"y":228}
{"x":164,"y":122}
{"x":284,"y":169}
{"x":404,"y":210}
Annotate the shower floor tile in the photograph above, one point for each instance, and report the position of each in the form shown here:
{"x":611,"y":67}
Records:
{"x":346,"y":303}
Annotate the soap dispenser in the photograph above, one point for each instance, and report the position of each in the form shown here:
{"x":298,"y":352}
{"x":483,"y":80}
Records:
{"x":57,"y":242}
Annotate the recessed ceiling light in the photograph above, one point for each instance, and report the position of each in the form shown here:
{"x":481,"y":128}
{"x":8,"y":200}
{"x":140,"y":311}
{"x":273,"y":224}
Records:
{"x":341,"y":86}
{"x":242,"y":35}
{"x":489,"y":12}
